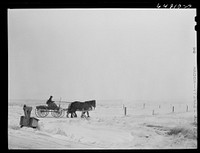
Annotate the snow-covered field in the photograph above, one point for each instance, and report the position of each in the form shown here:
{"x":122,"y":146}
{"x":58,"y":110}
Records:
{"x":107,"y":127}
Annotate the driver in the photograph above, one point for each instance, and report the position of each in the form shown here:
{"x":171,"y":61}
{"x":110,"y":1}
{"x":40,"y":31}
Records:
{"x":51,"y":103}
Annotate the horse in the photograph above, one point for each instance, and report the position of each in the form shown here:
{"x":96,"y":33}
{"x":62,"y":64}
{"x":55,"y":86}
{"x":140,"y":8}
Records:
{"x":81,"y":106}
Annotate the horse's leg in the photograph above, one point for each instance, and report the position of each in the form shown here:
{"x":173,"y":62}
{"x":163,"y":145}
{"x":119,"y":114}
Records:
{"x":82,"y":114}
{"x":67,"y":115}
{"x":68,"y":112}
{"x":88,"y":114}
{"x":72,"y":115}
{"x":75,"y":115}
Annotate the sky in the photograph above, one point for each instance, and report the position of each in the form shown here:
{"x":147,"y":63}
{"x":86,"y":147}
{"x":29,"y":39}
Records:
{"x":81,"y":54}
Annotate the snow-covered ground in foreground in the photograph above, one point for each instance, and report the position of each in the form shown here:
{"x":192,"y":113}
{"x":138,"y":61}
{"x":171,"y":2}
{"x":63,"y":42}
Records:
{"x":107,"y":127}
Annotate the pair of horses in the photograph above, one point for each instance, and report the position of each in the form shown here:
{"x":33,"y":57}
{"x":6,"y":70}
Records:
{"x":85,"y":107}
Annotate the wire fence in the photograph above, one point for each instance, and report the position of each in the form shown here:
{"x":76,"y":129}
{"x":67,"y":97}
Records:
{"x":144,"y":109}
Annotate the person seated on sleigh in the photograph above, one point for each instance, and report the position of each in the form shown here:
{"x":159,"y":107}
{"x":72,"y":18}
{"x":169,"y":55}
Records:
{"x":51,"y":104}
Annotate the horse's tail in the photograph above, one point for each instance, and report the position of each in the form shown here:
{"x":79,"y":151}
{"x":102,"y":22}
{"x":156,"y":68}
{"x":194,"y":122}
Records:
{"x":69,"y":106}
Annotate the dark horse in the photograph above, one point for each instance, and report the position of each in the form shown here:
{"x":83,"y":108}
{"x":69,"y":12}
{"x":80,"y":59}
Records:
{"x":80,"y":106}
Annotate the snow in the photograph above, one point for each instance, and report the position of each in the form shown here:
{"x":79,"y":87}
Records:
{"x":107,"y":127}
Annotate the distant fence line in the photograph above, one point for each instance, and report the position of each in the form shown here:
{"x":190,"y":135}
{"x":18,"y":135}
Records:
{"x":183,"y":108}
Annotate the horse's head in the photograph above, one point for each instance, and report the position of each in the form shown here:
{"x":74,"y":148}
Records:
{"x":93,"y":103}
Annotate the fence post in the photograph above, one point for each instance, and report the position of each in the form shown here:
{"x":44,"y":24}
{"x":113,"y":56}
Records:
{"x":159,"y":106}
{"x":143,"y":105}
{"x":125,"y":111}
{"x":153,"y":112}
{"x":187,"y":108}
{"x":59,"y":102}
{"x":173,"y":109}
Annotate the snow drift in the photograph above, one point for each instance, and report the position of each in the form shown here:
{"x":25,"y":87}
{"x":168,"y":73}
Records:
{"x":107,"y":127}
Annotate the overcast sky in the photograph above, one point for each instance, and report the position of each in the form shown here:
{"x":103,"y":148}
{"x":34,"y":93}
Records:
{"x":81,"y":54}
